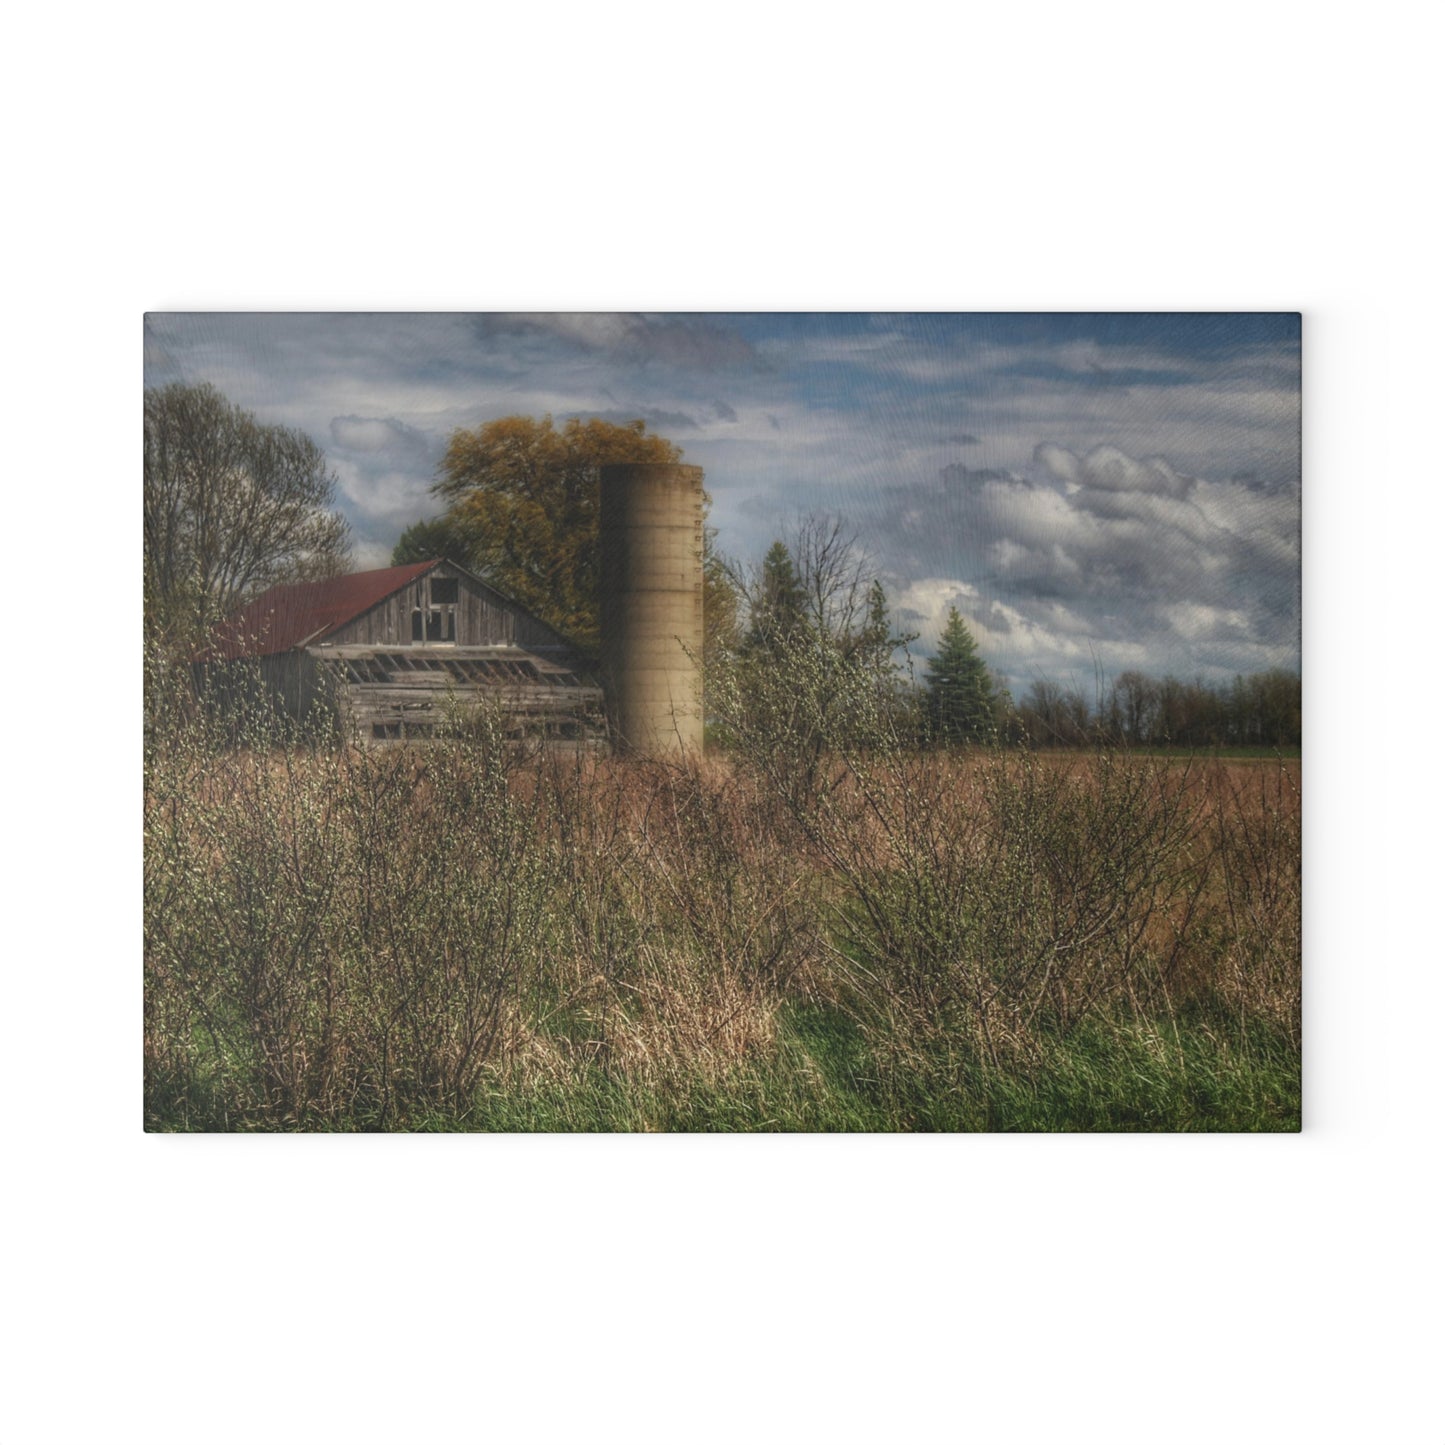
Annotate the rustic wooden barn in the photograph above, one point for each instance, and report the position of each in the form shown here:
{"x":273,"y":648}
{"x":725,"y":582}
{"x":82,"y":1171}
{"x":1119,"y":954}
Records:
{"x":395,"y":653}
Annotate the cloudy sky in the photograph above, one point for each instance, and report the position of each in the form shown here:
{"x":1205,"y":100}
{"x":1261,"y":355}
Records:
{"x":1093,"y":492}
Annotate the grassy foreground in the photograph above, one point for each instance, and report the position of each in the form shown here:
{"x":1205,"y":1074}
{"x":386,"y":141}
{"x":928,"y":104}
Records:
{"x":822,"y":1077}
{"x":877,"y":938}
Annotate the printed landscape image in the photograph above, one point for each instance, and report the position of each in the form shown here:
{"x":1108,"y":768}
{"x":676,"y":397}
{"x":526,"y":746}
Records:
{"x":722,"y":722}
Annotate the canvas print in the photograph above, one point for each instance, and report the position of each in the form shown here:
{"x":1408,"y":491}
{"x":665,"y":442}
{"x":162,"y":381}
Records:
{"x":722,"y":722}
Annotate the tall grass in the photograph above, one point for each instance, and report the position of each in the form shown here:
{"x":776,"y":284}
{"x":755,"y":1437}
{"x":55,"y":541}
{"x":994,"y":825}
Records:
{"x":826,"y":928}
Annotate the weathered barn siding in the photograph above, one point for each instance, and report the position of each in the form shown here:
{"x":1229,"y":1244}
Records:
{"x":294,"y":678}
{"x":488,"y":653}
{"x":393,"y":693}
{"x":484,"y":618}
{"x":393,"y":664}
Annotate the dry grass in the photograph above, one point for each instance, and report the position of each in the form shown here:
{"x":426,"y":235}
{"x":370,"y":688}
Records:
{"x":338,"y":938}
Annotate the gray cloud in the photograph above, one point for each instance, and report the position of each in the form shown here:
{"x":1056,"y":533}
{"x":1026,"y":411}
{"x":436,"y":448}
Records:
{"x":160,"y":367}
{"x":1107,"y":469}
{"x":367,"y":434}
{"x":958,"y":475}
{"x":629,"y":338}
{"x":1103,"y":559}
{"x":384,"y":469}
{"x":764,"y":506}
{"x":659,"y":421}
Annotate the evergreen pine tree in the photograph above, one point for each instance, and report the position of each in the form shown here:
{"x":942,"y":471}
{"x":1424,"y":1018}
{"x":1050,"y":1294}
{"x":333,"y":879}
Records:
{"x":778,"y":608}
{"x":960,"y":692}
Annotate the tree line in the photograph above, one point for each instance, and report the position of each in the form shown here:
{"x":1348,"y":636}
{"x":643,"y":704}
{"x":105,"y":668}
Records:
{"x":1261,"y":709}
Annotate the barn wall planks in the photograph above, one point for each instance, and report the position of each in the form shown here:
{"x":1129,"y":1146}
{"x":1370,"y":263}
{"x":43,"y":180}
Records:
{"x":380,"y":684}
{"x":295,"y":679}
{"x":483,"y":617}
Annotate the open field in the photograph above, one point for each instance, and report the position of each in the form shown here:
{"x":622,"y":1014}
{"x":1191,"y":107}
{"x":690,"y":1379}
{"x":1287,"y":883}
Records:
{"x":456,"y":937}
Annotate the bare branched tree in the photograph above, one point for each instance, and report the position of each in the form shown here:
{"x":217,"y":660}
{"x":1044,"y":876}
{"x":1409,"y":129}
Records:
{"x":1053,"y":716}
{"x":834,"y":572}
{"x":820,"y":580}
{"x":231,"y":507}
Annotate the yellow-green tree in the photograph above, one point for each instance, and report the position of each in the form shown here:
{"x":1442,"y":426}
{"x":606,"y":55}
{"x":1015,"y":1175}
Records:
{"x":523,"y":508}
{"x":524,"y":497}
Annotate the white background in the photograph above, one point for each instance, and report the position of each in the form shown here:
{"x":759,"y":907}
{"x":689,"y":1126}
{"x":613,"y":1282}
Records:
{"x":1179,"y":1290}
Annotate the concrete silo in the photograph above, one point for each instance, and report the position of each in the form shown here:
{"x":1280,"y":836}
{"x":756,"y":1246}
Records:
{"x":651,"y":605}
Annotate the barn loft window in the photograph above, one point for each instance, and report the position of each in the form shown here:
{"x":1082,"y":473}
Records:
{"x":438,"y":622}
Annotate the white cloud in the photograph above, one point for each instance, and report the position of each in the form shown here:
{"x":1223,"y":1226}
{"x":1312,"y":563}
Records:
{"x":382,"y":503}
{"x":1110,"y":470}
{"x":368,"y":556}
{"x":1195,"y":621}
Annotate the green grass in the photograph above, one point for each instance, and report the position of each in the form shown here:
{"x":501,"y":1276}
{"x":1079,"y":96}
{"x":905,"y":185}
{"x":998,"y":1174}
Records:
{"x":1127,"y":1078}
{"x":823,"y":1076}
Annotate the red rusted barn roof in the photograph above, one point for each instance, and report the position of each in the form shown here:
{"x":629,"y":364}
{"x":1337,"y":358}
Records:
{"x":299,"y":613}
